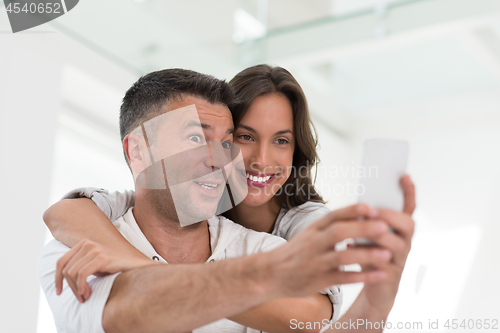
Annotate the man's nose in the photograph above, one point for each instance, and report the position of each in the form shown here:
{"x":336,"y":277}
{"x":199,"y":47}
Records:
{"x":218,"y":155}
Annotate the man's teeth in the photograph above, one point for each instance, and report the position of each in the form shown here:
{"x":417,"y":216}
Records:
{"x":208,"y":186}
{"x":258,"y":179}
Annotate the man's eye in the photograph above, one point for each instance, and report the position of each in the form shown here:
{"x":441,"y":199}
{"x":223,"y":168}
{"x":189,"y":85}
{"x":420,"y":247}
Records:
{"x":227,"y":145}
{"x":196,"y":138}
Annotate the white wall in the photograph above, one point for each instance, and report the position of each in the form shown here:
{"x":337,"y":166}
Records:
{"x":58,"y":114}
{"x":452,"y":270}
{"x":40,"y":155}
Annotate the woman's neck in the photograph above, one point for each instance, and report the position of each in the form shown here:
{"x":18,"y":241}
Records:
{"x":260,"y":218}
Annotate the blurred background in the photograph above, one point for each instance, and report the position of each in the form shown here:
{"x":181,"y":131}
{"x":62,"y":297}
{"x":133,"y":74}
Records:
{"x":426,"y":71}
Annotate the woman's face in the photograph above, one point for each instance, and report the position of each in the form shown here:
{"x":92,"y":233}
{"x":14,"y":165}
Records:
{"x":266,"y":138}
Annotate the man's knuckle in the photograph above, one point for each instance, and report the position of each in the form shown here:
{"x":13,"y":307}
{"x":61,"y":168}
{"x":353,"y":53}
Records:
{"x":342,"y":258}
{"x":362,"y":208}
{"x":412,"y":226}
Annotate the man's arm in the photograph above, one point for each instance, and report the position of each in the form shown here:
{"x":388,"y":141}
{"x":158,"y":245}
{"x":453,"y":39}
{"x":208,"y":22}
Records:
{"x":276,"y":315}
{"x":88,"y":258}
{"x":182,"y":297}
{"x":179,"y":298}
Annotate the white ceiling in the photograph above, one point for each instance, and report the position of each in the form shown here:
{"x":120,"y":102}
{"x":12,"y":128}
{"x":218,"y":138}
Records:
{"x":351,"y":56}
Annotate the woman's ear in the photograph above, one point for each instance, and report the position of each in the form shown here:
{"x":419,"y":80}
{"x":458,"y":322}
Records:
{"x":136,"y":150}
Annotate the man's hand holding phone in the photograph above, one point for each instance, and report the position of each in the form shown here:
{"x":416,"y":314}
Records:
{"x":381,"y":295}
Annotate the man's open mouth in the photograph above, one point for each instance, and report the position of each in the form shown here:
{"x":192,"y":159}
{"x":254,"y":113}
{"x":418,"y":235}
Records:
{"x":208,"y":186}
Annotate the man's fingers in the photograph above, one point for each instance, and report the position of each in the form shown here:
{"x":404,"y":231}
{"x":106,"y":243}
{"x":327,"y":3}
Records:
{"x":401,"y":222}
{"x":398,"y":246}
{"x":375,"y":257}
{"x":353,"y":229}
{"x":409,"y":194}
{"x":343,"y":277}
{"x":352,"y":212}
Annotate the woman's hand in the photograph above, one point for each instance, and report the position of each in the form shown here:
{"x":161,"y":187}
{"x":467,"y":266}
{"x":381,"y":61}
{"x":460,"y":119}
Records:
{"x":89,"y":258}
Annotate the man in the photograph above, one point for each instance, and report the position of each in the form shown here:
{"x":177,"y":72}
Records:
{"x":176,"y":298}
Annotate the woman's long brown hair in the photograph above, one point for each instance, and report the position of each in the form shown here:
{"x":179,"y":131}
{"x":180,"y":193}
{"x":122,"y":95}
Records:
{"x":264,"y":79}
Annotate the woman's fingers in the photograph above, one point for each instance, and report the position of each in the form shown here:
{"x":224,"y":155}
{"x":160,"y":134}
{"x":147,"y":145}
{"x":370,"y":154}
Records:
{"x":73,"y":271}
{"x":70,"y":266}
{"x":61,"y":264}
{"x":93,"y":266}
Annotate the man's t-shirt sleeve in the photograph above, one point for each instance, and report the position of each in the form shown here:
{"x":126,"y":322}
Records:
{"x":70,"y":315}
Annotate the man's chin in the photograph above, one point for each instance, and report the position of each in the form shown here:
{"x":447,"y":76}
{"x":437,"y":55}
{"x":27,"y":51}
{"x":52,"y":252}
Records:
{"x":193,"y":217}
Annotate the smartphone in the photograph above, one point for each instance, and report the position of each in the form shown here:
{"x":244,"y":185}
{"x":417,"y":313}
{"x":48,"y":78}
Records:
{"x":382,"y":165}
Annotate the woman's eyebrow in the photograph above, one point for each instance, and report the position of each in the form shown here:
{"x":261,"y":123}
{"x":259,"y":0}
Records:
{"x":283,"y":132}
{"x":248,"y":128}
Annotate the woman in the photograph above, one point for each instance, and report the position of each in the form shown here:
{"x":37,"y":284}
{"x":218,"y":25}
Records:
{"x":278,"y":144}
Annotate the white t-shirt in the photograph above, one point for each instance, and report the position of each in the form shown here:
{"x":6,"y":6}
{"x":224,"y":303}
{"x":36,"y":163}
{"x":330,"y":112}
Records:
{"x":227,"y":240}
{"x":288,"y":224}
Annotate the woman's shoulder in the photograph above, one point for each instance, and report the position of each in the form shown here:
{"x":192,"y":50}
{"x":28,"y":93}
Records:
{"x":290,"y":222}
{"x":309,"y":207}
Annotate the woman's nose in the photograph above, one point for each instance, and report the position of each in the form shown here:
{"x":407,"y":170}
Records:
{"x":259,"y":156}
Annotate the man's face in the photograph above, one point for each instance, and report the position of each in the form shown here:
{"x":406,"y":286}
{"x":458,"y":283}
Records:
{"x":190,"y":144}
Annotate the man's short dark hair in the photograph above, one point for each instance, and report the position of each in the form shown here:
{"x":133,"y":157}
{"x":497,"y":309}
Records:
{"x":148,"y":96}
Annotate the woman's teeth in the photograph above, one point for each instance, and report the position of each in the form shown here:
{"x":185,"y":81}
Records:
{"x":207,"y":186}
{"x":258,"y":179}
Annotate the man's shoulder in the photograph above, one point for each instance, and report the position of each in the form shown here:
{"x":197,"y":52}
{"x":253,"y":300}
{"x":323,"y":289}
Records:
{"x":48,"y":258}
{"x":53,"y":247}
{"x":236,"y":240}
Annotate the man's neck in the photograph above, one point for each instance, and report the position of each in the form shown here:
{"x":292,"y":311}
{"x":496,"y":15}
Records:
{"x":174,"y":243}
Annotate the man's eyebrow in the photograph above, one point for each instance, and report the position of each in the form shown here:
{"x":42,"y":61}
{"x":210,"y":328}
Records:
{"x":195,"y":123}
{"x":248,"y":128}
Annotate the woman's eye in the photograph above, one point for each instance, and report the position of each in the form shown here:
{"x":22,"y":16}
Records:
{"x":196,"y":138}
{"x":282,"y":141}
{"x":245,"y":137}
{"x":227,"y":145}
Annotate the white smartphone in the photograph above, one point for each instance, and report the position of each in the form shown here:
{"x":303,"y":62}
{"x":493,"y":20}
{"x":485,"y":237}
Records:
{"x":382,"y":166}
